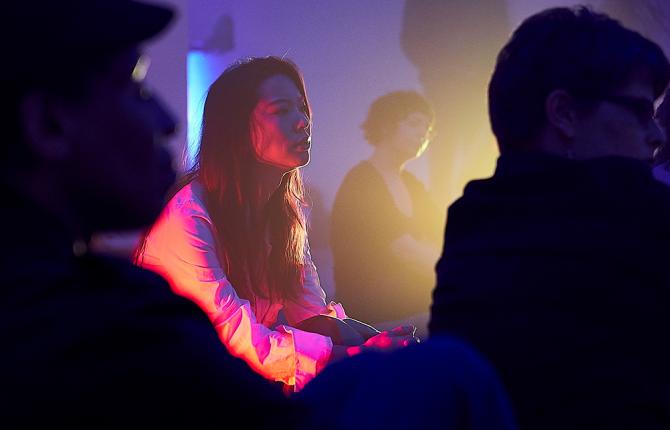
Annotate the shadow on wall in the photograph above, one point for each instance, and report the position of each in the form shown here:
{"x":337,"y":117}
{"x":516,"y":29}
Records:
{"x":453,"y":45}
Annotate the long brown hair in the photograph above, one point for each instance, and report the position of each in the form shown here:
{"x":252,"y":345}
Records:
{"x":227,"y":164}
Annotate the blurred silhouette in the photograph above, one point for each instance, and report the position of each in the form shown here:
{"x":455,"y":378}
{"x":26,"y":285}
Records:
{"x":89,"y":340}
{"x":555,"y":268}
{"x":439,"y":384}
{"x":385,"y":228}
{"x":233,"y":237}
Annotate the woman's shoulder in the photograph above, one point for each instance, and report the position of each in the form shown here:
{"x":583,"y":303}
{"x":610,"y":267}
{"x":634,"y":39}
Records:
{"x":183,"y":218}
{"x":363,"y":167}
{"x":358,"y":193}
{"x":190,"y":199}
{"x":362,"y":175}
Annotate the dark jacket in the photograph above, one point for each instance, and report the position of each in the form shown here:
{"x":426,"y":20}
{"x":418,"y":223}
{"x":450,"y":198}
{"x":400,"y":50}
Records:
{"x":97,"y":341}
{"x":557,"y":270}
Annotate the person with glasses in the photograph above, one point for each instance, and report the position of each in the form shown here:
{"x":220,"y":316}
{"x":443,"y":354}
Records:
{"x":555,"y":268}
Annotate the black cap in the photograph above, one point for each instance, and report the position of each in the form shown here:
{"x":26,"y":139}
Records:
{"x":40,"y":36}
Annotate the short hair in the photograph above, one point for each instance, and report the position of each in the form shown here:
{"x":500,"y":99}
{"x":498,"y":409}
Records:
{"x":583,"y":52}
{"x":388,"y":110}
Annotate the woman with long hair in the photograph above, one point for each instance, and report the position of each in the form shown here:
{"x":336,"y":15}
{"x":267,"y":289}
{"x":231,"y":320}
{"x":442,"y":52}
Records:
{"x":233,"y":237}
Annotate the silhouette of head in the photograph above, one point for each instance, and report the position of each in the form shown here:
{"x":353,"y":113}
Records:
{"x":79,"y":112}
{"x":583,"y":75}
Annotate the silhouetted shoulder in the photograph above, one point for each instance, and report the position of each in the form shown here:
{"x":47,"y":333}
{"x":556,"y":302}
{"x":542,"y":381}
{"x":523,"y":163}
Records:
{"x":109,"y":336}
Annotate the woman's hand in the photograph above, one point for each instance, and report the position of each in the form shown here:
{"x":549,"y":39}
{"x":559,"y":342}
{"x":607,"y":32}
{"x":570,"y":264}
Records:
{"x":398,"y":337}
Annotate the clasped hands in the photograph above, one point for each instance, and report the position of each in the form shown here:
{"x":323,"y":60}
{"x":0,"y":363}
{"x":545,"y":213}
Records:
{"x":398,"y":337}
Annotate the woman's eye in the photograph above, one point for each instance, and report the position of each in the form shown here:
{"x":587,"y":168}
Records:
{"x":278,"y":110}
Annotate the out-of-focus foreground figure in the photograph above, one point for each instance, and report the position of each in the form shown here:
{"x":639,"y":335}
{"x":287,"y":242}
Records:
{"x":556,"y":267}
{"x":87,"y":339}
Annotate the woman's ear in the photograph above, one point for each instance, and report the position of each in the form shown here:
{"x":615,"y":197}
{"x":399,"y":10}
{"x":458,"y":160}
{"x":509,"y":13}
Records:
{"x":561,"y":112}
{"x":42,"y":124}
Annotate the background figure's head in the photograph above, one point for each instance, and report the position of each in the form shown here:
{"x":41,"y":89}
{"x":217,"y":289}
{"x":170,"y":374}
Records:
{"x":81,"y":122}
{"x":256,"y":114}
{"x":578,"y":84}
{"x":400,"y":121}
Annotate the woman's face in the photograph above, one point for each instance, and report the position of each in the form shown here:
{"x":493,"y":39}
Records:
{"x":412,"y":135}
{"x":280,"y":126}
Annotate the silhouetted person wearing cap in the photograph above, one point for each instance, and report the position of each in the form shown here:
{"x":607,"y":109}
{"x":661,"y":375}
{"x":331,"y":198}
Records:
{"x":556,"y":267}
{"x":85,"y":338}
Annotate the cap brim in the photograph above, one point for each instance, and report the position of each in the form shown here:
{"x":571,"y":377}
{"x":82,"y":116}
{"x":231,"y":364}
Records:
{"x":143,"y":21}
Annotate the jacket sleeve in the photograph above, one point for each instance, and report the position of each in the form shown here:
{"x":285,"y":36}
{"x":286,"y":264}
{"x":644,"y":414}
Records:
{"x":181,"y":247}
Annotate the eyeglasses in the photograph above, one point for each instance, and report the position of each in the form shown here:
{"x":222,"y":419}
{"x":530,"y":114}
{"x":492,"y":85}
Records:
{"x":643,"y":109}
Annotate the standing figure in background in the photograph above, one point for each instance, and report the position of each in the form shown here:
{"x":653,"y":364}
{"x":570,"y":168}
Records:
{"x":385,"y":229}
{"x":233,"y":238}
